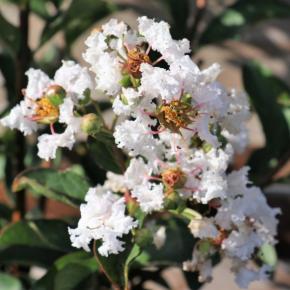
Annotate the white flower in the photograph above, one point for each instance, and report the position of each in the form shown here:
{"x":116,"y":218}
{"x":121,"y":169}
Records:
{"x":159,"y":38}
{"x":241,"y":243}
{"x":108,"y":73}
{"x":115,"y":182}
{"x":245,"y":276}
{"x":74,"y":79}
{"x":38,"y":82}
{"x":66,"y":115}
{"x":48,"y":144}
{"x":134,"y":136}
{"x":17,"y":120}
{"x":203,"y":228}
{"x":115,"y":28}
{"x":102,"y":218}
{"x":144,"y":171}
{"x":149,"y":195}
{"x":157,"y":82}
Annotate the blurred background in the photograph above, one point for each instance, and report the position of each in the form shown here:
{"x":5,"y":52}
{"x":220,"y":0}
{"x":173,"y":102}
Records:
{"x":249,"y":38}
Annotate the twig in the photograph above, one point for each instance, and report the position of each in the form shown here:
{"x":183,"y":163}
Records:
{"x":269,"y":177}
{"x":114,"y":285}
{"x":22,"y":63}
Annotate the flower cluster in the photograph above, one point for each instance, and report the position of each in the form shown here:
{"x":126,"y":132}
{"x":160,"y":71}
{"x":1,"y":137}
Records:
{"x":180,"y":128}
{"x":47,"y":101}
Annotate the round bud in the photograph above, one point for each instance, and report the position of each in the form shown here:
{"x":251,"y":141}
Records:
{"x":267,"y":254}
{"x":91,"y":124}
{"x":55,"y":94}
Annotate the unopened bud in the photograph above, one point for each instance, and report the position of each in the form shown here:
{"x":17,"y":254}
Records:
{"x":267,"y":254}
{"x":55,"y":94}
{"x":91,"y":124}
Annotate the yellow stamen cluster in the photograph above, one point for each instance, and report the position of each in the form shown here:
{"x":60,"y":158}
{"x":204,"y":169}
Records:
{"x":176,"y":115}
{"x":46,"y":112}
{"x":134,"y":61}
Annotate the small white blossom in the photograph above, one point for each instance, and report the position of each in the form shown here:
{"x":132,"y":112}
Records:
{"x":102,"y":218}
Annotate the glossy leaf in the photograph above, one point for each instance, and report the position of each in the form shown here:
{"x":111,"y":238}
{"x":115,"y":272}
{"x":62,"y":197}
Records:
{"x":9,"y":35}
{"x":265,"y":90}
{"x":244,"y":13}
{"x":48,"y":234}
{"x":178,"y":240}
{"x":68,"y":272}
{"x":8,"y":282}
{"x":68,"y":186}
{"x":80,"y":15}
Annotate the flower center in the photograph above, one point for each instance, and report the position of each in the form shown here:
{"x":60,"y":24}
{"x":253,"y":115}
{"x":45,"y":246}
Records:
{"x":134,"y":61}
{"x":176,"y":115}
{"x":173,"y":178}
{"x":46,"y":112}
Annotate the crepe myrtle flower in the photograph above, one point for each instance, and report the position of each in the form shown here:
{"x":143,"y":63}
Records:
{"x":47,"y":101}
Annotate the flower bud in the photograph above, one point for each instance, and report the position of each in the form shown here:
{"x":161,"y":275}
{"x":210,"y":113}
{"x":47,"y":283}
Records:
{"x":267,"y":254}
{"x":91,"y":124}
{"x":55,"y":94}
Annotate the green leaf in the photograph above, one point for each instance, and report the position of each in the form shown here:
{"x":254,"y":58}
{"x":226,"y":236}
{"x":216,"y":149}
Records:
{"x":9,"y":35}
{"x":68,"y":186}
{"x":79,"y":16}
{"x":5,"y":211}
{"x":68,"y":272}
{"x":48,"y":234}
{"x":230,"y":23}
{"x":7,"y":67}
{"x":29,"y":256}
{"x":134,"y":253}
{"x":264,"y":90}
{"x":116,"y":267}
{"x":178,"y":240}
{"x":39,"y":7}
{"x":8,"y":282}
{"x":105,"y":153}
{"x":179,"y":15}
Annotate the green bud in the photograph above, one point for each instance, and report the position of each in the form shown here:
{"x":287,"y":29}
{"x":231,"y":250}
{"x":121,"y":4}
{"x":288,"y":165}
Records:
{"x":267,"y":254}
{"x":206,"y":147}
{"x":204,"y":247}
{"x":173,"y":201}
{"x":126,"y":81}
{"x":135,"y":82}
{"x":55,"y":94}
{"x":124,"y":99}
{"x":91,"y":124}
{"x":186,"y":98}
{"x":87,"y":97}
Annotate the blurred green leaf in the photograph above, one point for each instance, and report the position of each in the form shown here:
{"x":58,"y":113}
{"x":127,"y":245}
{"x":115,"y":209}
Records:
{"x":8,"y":282}
{"x":39,"y":7}
{"x":104,"y":152}
{"x":68,"y":272}
{"x":264,"y":90}
{"x":29,"y":256}
{"x":9,"y":35}
{"x":178,"y":240}
{"x":48,"y":234}
{"x":80,"y":15}
{"x":242,"y":14}
{"x":68,"y":186}
{"x":7,"y":67}
{"x":179,"y":16}
{"x":5,"y":212}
